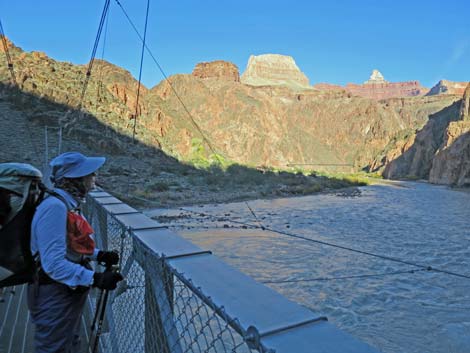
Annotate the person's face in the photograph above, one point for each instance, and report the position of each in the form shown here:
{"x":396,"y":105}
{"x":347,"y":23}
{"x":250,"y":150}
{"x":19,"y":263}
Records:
{"x":89,"y":182}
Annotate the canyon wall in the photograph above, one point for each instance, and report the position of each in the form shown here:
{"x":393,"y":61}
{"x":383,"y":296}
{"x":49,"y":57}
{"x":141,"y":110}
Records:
{"x":451,"y":164}
{"x":438,"y":152}
{"x":272,"y":117}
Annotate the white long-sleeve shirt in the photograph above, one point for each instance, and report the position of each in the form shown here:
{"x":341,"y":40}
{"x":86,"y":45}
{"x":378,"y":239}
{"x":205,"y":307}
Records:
{"x":48,"y":237}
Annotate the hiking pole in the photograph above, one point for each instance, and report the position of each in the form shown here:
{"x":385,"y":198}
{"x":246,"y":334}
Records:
{"x":101,"y":309}
{"x":100,"y":321}
{"x":98,"y":306}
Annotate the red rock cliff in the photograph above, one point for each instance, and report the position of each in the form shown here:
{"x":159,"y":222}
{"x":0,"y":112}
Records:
{"x":217,"y":69}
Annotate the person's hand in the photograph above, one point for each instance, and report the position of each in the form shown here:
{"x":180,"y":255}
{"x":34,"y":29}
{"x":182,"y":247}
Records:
{"x":108,"y":258}
{"x":106,"y":280}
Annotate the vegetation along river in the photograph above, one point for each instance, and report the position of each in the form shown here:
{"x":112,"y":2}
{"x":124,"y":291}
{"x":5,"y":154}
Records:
{"x":416,"y":312}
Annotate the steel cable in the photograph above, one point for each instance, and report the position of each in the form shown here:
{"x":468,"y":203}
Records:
{"x":363,"y":252}
{"x":138,"y":93}
{"x":140,"y":71}
{"x":93,"y":53}
{"x":15,"y":83}
{"x":168,"y":81}
{"x":366,"y":275}
{"x":7,"y":54}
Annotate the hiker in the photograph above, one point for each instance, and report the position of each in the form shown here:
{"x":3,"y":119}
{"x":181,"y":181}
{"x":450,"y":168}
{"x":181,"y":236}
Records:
{"x":62,"y":245}
{"x":19,"y":195}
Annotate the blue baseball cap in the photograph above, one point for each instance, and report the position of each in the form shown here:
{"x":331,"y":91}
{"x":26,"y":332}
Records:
{"x":74,"y":165}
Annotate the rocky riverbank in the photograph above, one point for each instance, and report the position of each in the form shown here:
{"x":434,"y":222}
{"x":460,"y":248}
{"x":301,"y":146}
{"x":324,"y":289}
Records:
{"x":239,"y":183}
{"x":194,"y":217}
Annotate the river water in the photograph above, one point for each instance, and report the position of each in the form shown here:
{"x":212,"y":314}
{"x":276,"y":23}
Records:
{"x":417,"y":222}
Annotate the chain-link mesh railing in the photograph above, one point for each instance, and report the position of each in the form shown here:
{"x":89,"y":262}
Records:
{"x":156,"y":309}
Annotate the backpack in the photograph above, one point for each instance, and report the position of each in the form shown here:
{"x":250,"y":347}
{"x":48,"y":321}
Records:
{"x":21,"y":191}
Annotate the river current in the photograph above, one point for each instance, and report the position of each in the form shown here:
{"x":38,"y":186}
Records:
{"x":424,"y":311}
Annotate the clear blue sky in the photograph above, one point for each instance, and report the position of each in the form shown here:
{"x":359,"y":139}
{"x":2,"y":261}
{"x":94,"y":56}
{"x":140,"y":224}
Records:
{"x":337,"y":41}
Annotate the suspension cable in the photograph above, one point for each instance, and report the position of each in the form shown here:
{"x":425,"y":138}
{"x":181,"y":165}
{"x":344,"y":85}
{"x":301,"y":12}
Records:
{"x":205,"y":139}
{"x":7,"y":54}
{"x":100,"y":80}
{"x":367,"y":275}
{"x":93,"y":53}
{"x":138,"y":94}
{"x":13,"y":78}
{"x":140,"y":71}
{"x":262,"y":227}
{"x":346,"y":248}
{"x":254,"y":215}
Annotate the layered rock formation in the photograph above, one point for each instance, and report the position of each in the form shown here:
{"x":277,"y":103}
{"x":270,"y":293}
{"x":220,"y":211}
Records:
{"x":387,"y":90}
{"x":376,"y":77}
{"x":448,"y":87}
{"x":376,"y":87}
{"x":323,"y":86}
{"x":217,"y":69}
{"x":274,"y":70}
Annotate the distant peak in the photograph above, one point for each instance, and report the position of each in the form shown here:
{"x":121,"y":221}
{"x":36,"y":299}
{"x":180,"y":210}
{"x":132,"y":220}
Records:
{"x":376,"y":77}
{"x":274,"y":69}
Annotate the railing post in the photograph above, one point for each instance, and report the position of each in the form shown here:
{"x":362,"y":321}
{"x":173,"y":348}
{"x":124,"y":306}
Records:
{"x":102,"y":223}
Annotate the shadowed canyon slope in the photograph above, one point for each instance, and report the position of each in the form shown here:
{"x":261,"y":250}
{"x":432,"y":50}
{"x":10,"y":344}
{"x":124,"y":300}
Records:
{"x":269,"y":124}
{"x":440,"y":151}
